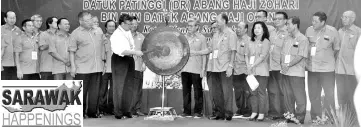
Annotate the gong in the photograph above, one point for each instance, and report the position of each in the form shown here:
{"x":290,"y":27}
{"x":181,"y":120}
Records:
{"x":165,"y":51}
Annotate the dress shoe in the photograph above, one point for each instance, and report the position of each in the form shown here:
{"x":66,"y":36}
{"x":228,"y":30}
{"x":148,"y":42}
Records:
{"x":252,"y":119}
{"x":118,"y":117}
{"x":186,"y":115}
{"x":216,"y":118}
{"x":260,"y":120}
{"x":140,"y":113}
{"x":246,"y":115}
{"x":197,"y":115}
{"x":94,"y":116}
{"x":276,"y":118}
{"x":229,"y":118}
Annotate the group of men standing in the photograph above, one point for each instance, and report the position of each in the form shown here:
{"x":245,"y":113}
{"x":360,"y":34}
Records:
{"x":84,"y":54}
{"x":324,"y":52}
{"x":278,"y":57}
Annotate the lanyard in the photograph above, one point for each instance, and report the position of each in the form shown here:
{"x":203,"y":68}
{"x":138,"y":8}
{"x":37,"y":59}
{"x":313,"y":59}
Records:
{"x":221,"y":39}
{"x":318,"y":37}
{"x":30,"y":39}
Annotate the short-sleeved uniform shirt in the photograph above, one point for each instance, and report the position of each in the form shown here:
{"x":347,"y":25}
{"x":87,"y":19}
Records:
{"x":296,"y":46}
{"x":88,"y":48}
{"x":138,"y":41}
{"x":27,"y":47}
{"x":258,"y":49}
{"x":326,"y":42}
{"x":60,"y":44}
{"x":46,"y":60}
{"x":9,"y":35}
{"x":197,"y":42}
{"x":224,"y":43}
{"x":277,"y":39}
{"x":345,"y":60}
{"x":240,"y":65}
{"x":3,"y":46}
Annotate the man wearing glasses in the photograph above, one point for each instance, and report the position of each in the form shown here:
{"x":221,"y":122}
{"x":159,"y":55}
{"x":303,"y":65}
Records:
{"x":194,"y":70}
{"x":345,"y":74}
{"x":87,"y":61}
{"x":38,"y":21}
{"x":123,"y":47}
{"x":262,"y":15}
{"x":274,"y":88}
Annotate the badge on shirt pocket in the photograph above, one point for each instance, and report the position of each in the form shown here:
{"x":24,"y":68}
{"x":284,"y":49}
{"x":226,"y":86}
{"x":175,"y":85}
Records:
{"x":327,"y":38}
{"x":295,"y":44}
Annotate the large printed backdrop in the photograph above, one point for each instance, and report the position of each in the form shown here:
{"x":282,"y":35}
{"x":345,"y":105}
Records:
{"x":149,"y":11}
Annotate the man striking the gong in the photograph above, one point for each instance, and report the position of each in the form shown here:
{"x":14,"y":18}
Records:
{"x":122,"y":62}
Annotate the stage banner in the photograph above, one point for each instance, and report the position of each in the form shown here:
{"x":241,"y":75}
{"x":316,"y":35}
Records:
{"x":42,"y":103}
{"x":150,"y":12}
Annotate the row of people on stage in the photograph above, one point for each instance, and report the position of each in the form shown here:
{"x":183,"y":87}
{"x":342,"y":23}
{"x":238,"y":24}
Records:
{"x":84,"y":54}
{"x":278,"y":57}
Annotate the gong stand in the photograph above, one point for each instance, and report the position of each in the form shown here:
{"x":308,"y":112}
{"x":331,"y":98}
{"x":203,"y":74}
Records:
{"x":157,"y":113}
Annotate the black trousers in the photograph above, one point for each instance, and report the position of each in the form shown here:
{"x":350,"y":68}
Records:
{"x":189,"y":79}
{"x":46,"y":76}
{"x":123,"y":84}
{"x":214,"y":109}
{"x":316,"y":82}
{"x":258,"y":96}
{"x":106,"y":93}
{"x":91,"y":88}
{"x":242,"y":94}
{"x":34,"y":76}
{"x":9,"y":73}
{"x":275,"y":95}
{"x":138,"y":91}
{"x":294,"y":91}
{"x":222,"y":92}
{"x":346,"y":86}
{"x":63,"y":76}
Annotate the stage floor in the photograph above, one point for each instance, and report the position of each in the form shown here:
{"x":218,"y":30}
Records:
{"x":110,"y":121}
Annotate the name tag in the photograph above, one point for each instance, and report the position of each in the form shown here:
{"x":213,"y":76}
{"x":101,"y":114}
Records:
{"x":34,"y":55}
{"x":287,"y":59}
{"x":313,"y":51}
{"x":210,"y":56}
{"x":351,"y":36}
{"x":251,"y":60}
{"x":215,"y":54}
{"x":272,"y":47}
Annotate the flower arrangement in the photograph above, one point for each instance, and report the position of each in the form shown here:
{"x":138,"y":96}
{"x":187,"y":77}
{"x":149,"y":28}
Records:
{"x":291,"y":117}
{"x":324,"y":120}
{"x":171,"y":82}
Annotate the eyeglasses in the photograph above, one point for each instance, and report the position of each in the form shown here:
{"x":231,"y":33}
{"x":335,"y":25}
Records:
{"x":37,"y":21}
{"x":346,"y":17}
{"x":278,"y":19}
